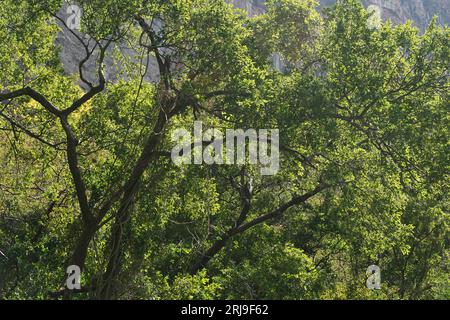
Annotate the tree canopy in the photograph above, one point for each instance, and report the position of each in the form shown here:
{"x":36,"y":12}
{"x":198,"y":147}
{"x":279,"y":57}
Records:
{"x":87,"y":178}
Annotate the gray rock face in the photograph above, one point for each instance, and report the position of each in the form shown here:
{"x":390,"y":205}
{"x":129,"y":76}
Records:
{"x":399,"y":11}
{"x":419,"y":11}
{"x":73,"y":52}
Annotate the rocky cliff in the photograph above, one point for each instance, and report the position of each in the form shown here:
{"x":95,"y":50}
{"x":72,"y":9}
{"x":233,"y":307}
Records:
{"x":399,"y":11}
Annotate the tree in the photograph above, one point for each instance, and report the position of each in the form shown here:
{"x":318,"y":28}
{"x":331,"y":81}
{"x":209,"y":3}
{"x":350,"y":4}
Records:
{"x":362,"y":114}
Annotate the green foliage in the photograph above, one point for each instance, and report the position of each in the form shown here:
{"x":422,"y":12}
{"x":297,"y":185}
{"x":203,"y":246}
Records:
{"x":362,"y":111}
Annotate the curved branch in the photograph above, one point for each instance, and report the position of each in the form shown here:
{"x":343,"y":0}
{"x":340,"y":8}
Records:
{"x":36,"y":96}
{"x":221,"y":243}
